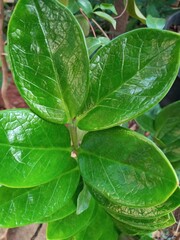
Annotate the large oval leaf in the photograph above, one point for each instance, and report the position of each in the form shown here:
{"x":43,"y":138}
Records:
{"x":130,"y":75}
{"x":167,"y":123}
{"x":153,"y":223}
{"x":32,"y":150}
{"x":71,"y":225}
{"x":20,"y":207}
{"x":149,"y":212}
{"x":48,"y":58}
{"x":126,"y":168}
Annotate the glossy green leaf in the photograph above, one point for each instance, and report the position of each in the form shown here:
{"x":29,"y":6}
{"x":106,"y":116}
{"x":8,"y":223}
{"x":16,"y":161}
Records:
{"x":167,"y":123}
{"x":153,"y":22}
{"x":172,"y":151}
{"x":146,"y":120}
{"x":149,"y":212}
{"x":84,"y":24}
{"x":153,"y":223}
{"x":66,"y":210}
{"x":32,"y":150}
{"x":69,"y":226}
{"x":83,"y":200}
{"x":20,"y":207}
{"x":64,"y":2}
{"x":164,"y":221}
{"x":131,"y":230}
{"x":126,"y":168}
{"x":106,"y":6}
{"x":101,"y":227}
{"x":49,"y":59}
{"x":86,"y":6}
{"x":130,"y":75}
{"x":94,"y":43}
{"x":134,"y":11}
{"x":106,"y":17}
{"x":73,"y":6}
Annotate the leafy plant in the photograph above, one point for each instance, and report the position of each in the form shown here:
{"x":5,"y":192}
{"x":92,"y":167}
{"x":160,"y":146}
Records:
{"x":117,"y":178}
{"x":164,"y":128}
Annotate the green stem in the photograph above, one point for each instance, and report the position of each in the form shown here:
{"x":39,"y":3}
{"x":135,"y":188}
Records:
{"x":73,"y":133}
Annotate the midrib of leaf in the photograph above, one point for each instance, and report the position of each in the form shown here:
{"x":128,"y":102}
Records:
{"x":123,"y":83}
{"x":51,"y":55}
{"x":68,"y":149}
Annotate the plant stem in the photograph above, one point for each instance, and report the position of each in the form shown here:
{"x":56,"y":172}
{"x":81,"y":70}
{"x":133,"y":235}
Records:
{"x":73,"y":133}
{"x":84,"y":15}
{"x":103,"y":32}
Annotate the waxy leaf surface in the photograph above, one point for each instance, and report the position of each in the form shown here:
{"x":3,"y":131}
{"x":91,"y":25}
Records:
{"x":167,"y":123}
{"x":130,"y":75}
{"x":154,"y":224}
{"x":32,"y":151}
{"x":66,"y":210}
{"x":49,"y":59}
{"x":126,"y":168}
{"x":69,"y":226}
{"x":20,"y":207}
{"x":101,"y":227}
{"x":149,"y":212}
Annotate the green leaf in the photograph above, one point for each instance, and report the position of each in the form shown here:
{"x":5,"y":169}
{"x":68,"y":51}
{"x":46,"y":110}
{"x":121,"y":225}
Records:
{"x":73,"y":6}
{"x":149,"y":212}
{"x":101,"y":227}
{"x":94,"y":43}
{"x":134,"y":11}
{"x":66,"y":210}
{"x":49,"y":59}
{"x":69,"y":226}
{"x":86,"y":6}
{"x":167,"y":123}
{"x":83,"y":200}
{"x":131,"y":230}
{"x":153,"y":223}
{"x":106,"y":6}
{"x":153,"y":22}
{"x":20,"y":207}
{"x":107,"y":17}
{"x":64,"y":2}
{"x":146,"y":121}
{"x":32,"y":150}
{"x":84,"y":24}
{"x":126,"y":168}
{"x":172,"y":151}
{"x":117,"y":94}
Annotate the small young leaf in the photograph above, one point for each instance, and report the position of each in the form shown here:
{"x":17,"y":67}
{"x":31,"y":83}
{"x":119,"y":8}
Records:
{"x":69,"y":226}
{"x":33,"y":151}
{"x":126,"y":168}
{"x":49,"y":59}
{"x":130,"y":75}
{"x":134,"y":11}
{"x":153,"y":22}
{"x":107,"y":17}
{"x":64,"y":2}
{"x":94,"y":43}
{"x":106,"y":6}
{"x":20,"y":207}
{"x":83,"y":200}
{"x":83,"y":23}
{"x":86,"y":7}
{"x":167,"y":123}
